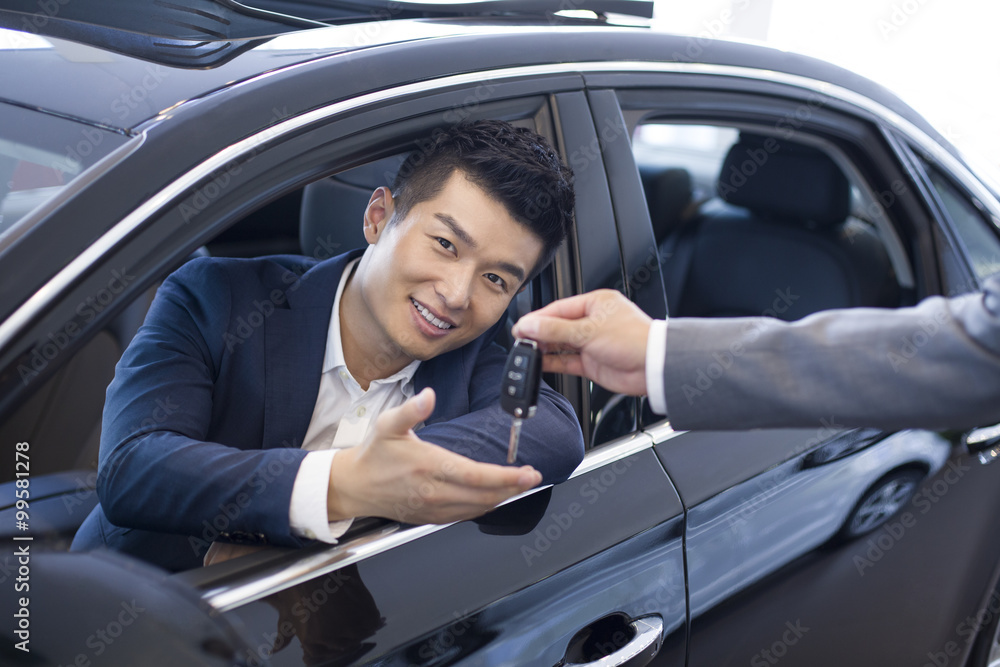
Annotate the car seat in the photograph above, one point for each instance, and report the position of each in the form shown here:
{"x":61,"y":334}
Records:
{"x":777,"y":241}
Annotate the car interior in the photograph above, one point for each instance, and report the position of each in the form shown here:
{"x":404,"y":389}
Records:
{"x":751,"y":224}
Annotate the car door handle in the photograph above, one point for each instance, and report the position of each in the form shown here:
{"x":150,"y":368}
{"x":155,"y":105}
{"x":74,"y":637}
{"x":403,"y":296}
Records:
{"x":983,"y":441}
{"x":643,"y":647}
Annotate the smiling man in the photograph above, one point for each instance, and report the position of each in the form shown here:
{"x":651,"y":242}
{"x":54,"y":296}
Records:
{"x":367,"y":385}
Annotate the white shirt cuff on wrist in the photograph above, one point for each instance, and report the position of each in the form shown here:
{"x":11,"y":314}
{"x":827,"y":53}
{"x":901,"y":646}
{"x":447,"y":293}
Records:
{"x":307,"y":513}
{"x":656,"y":356}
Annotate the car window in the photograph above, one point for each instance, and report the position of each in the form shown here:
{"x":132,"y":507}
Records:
{"x":298,"y":222}
{"x":40,"y":154}
{"x":982,"y":247}
{"x":753,"y":222}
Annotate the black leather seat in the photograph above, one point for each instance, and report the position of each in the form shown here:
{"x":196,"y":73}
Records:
{"x":778,"y":241}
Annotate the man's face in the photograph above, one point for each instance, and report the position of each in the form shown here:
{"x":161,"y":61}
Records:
{"x":445,"y":273}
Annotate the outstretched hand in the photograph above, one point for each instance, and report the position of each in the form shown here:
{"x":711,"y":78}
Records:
{"x":600,"y":335}
{"x":396,"y":475}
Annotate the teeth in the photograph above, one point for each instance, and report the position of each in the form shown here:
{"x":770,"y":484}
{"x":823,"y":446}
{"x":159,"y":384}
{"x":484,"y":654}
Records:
{"x":430,"y":318}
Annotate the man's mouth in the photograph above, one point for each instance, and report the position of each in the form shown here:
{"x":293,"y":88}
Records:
{"x":429,"y":316}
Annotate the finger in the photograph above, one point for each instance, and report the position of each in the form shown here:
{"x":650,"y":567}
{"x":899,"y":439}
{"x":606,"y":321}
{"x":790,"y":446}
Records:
{"x":489,"y":476}
{"x":563,"y":363}
{"x":552,"y":330}
{"x":399,"y":420}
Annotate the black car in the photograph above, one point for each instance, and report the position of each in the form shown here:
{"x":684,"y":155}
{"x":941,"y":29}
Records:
{"x":135,"y":135}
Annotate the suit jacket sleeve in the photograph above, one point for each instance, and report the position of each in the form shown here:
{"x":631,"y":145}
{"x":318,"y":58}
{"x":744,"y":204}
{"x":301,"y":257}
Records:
{"x":935,"y":366}
{"x":551,"y":441}
{"x":157,"y":470}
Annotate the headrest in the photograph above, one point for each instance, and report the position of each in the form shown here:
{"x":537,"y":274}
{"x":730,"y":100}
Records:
{"x":776,"y":178}
{"x":333,"y":209}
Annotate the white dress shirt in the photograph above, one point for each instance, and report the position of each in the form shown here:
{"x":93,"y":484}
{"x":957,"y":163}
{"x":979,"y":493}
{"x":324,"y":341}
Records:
{"x":343,"y":415}
{"x":656,"y":356}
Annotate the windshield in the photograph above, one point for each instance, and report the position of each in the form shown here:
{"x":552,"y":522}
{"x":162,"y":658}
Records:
{"x":40,"y":154}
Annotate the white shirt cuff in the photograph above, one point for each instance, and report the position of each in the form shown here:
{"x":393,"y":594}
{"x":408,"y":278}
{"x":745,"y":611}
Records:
{"x":656,"y":356}
{"x":307,"y":514}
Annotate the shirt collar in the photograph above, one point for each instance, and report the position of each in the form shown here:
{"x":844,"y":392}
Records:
{"x":334,"y":358}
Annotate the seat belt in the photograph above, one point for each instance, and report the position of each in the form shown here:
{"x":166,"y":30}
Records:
{"x":679,"y":252}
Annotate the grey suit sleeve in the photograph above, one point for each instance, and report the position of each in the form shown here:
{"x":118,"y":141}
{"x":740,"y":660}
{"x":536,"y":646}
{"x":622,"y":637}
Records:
{"x":935,"y":365}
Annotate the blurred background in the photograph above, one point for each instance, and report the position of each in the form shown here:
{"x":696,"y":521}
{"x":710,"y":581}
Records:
{"x":940,"y":56}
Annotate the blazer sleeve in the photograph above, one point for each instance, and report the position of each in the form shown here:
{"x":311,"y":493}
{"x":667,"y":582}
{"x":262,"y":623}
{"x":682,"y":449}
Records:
{"x":157,"y":471}
{"x":935,"y":365}
{"x":551,"y":441}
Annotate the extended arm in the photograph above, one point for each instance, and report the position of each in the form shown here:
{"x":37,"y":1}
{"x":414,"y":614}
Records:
{"x":935,"y":365}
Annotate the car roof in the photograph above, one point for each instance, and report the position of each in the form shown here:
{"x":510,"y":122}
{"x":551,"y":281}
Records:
{"x":120,"y":91}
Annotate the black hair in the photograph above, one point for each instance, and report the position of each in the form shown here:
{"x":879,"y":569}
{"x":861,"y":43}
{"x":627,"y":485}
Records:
{"x":513,"y":165}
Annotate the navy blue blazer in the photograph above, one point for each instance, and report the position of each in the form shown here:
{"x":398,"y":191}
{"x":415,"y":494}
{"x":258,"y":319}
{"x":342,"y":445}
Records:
{"x":204,"y":420}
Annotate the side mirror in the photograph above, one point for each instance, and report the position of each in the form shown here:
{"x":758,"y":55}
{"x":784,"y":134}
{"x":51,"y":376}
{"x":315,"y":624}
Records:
{"x":985,"y":442}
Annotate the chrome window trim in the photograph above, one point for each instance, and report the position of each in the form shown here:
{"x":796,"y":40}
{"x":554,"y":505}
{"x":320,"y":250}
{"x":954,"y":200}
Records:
{"x":280,"y":577}
{"x":75,"y":269}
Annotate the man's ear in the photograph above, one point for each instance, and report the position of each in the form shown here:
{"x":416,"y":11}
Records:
{"x":378,"y":213}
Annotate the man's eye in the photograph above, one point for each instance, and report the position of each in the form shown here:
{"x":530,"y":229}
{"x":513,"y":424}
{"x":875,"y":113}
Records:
{"x":497,"y":280}
{"x":445,"y":243}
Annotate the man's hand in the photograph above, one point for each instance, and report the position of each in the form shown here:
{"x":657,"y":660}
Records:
{"x":600,"y":335}
{"x":396,"y":475}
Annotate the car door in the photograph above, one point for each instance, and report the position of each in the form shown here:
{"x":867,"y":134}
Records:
{"x":775,"y":571}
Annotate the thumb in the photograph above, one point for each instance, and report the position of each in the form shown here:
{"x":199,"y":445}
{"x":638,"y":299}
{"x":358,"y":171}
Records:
{"x":399,"y":420}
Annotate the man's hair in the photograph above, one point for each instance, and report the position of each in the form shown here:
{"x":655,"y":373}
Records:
{"x":513,"y":165}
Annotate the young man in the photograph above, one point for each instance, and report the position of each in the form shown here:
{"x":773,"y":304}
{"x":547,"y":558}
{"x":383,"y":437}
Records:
{"x":284,"y":426}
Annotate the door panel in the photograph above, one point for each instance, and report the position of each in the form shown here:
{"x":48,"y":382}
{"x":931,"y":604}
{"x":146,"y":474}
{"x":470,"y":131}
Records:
{"x":516,"y":584}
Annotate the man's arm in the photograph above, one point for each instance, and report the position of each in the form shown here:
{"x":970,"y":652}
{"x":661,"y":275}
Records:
{"x":157,"y":470}
{"x":935,"y":365}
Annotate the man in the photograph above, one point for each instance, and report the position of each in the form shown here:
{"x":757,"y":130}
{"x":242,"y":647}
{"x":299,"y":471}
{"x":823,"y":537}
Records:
{"x":285,"y":426}
{"x":935,"y":365}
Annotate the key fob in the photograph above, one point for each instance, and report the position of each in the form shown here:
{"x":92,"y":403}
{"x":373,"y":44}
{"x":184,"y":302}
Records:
{"x":522,"y":377}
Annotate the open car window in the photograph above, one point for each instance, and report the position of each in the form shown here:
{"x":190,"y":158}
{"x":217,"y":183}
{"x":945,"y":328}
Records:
{"x":751,"y":222}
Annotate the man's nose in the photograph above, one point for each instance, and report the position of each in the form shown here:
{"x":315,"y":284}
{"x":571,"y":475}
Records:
{"x":455,"y":288}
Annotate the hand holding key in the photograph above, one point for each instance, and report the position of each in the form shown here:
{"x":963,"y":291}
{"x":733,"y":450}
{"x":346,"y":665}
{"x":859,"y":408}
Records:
{"x":522,"y":376}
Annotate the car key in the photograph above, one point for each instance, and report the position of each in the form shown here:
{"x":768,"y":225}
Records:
{"x":522,"y":376}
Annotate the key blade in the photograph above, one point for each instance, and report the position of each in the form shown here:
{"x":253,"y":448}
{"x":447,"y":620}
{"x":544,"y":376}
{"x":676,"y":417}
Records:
{"x":515,"y":435}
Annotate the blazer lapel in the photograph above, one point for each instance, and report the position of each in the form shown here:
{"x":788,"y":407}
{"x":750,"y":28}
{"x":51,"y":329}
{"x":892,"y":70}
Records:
{"x":295,"y":346}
